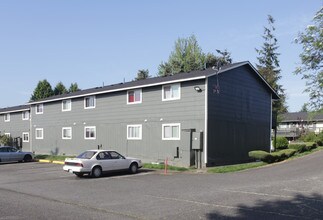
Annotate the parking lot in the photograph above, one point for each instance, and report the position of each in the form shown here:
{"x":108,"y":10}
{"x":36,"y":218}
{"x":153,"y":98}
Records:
{"x":290,"y":190}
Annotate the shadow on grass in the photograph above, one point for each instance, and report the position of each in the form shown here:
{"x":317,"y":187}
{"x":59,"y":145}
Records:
{"x":298,"y":207}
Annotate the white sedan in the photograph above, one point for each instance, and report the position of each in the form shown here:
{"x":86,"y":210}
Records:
{"x":95,"y":162}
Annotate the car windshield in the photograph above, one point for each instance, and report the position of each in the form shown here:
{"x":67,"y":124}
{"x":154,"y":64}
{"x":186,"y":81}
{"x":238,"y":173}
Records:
{"x":86,"y":155}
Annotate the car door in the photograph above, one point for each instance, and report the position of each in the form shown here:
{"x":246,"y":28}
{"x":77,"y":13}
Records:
{"x":120,"y":162}
{"x":104,"y":159}
{"x":4,"y":154}
{"x":15,"y":155}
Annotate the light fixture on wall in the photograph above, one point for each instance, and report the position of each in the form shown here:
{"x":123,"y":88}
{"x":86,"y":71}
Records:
{"x":198,"y":89}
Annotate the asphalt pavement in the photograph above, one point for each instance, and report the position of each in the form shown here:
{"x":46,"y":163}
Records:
{"x":288,"y":190}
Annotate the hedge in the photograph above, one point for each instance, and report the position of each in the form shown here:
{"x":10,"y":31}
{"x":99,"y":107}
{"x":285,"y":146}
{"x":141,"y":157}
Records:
{"x":258,"y":155}
{"x":298,"y":147}
{"x":281,"y":143}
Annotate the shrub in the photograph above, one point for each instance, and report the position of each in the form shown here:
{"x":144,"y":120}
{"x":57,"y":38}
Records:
{"x":281,"y":143}
{"x":319,"y":143}
{"x":277,"y":156}
{"x":298,"y":147}
{"x":288,"y":152}
{"x":258,"y":154}
{"x":310,"y":145}
{"x":309,"y":137}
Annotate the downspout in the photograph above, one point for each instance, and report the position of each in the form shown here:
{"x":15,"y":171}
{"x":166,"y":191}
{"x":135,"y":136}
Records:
{"x":206,"y":120}
{"x":30,"y":131}
{"x":271,"y":121}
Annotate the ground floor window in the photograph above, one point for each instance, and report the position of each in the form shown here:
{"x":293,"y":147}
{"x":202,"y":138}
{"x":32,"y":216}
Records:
{"x":90,"y":133}
{"x":39,"y":133}
{"x":134,"y":132}
{"x":171,"y":131}
{"x":67,"y":133}
{"x":25,"y":137}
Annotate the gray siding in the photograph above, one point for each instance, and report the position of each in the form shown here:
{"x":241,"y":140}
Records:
{"x":239,"y":116}
{"x":111,"y":117}
{"x":16,"y":126}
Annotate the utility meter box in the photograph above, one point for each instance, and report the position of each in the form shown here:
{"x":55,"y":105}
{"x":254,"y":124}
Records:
{"x":197,"y":140}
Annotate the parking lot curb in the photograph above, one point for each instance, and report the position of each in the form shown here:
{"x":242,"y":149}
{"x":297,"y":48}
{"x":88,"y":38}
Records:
{"x":44,"y":161}
{"x":58,"y":162}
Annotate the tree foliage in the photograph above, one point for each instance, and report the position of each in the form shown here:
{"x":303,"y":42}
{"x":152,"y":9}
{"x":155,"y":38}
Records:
{"x":268,"y":65}
{"x":142,"y":74}
{"x":188,"y":56}
{"x":60,"y":89}
{"x":74,"y":88}
{"x":311,"y":67}
{"x":42,"y":90}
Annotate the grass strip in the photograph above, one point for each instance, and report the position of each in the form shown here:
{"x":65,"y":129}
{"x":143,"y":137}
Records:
{"x":162,"y":166}
{"x":235,"y":168}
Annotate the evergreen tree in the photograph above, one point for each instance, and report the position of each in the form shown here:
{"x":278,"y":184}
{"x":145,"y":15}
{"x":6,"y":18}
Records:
{"x":188,"y":56}
{"x":73,"y":88}
{"x":60,"y":89}
{"x":311,"y":67}
{"x":304,"y":108}
{"x":142,"y":74}
{"x":268,"y":65}
{"x":42,"y":90}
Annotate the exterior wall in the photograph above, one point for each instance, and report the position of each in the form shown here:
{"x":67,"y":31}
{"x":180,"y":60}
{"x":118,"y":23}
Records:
{"x":239,"y":117}
{"x":111,"y":116}
{"x":16,"y":126}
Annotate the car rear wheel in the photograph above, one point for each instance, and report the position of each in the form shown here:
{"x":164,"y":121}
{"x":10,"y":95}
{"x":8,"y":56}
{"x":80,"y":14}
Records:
{"x":27,"y":158}
{"x":133,"y":168}
{"x":96,"y":172}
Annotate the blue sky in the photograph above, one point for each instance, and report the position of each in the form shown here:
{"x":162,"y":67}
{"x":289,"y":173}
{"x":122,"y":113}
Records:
{"x":96,"y":42}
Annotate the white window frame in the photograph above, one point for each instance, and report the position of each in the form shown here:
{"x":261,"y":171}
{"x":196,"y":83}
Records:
{"x":90,"y":107}
{"x":171,"y":125}
{"x":67,"y":128}
{"x":42,"y":108}
{"x":23,"y":114}
{"x":7,"y":134}
{"x":134,"y":102}
{"x":172,"y":98}
{"x":140,"y":132}
{"x":42,"y":133}
{"x":23,"y":137}
{"x":6,"y":117}
{"x":70,"y":105}
{"x":90,"y":127}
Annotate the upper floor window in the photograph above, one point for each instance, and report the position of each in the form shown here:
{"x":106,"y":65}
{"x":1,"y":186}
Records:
{"x":134,"y":96}
{"x":171,"y":92}
{"x":90,"y":133}
{"x":171,"y":131}
{"x":134,"y":132}
{"x":7,"y":134}
{"x":7,"y":117}
{"x":39,"y":109}
{"x":25,"y":115}
{"x":67,"y":105}
{"x":89,"y":102}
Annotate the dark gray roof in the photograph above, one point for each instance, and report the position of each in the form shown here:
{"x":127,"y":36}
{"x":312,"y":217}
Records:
{"x":299,"y":116}
{"x":153,"y":81}
{"x":14,"y":109}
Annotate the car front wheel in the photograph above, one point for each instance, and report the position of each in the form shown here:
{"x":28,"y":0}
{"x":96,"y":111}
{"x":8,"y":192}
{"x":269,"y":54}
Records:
{"x":133,"y":168}
{"x":96,"y":172}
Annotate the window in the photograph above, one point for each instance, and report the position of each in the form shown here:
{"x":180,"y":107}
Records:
{"x":66,"y":105}
{"x":89,"y":102}
{"x":90,"y":133}
{"x":25,"y":137}
{"x":171,"y":131}
{"x":134,"y":132}
{"x":7,"y":134}
{"x":67,"y":133}
{"x":39,"y":109}
{"x":25,"y":115}
{"x":7,"y":117}
{"x":171,"y":92}
{"x":134,"y":96}
{"x":39,"y":133}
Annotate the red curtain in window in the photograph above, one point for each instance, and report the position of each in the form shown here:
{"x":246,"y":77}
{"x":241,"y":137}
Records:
{"x":131,"y":97}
